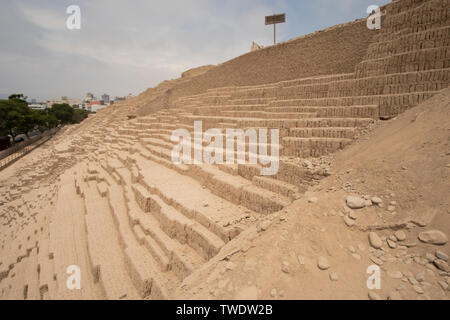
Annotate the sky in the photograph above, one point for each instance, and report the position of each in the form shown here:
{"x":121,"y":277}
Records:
{"x":126,"y":47}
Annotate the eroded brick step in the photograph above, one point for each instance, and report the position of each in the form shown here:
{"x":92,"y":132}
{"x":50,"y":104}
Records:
{"x":306,"y":123}
{"x":67,"y":242}
{"x":338,"y":112}
{"x":208,"y":110}
{"x":419,"y":60}
{"x":105,"y":253}
{"x":239,"y":190}
{"x":142,"y":267}
{"x":312,"y":147}
{"x":433,"y":38}
{"x":291,"y":173}
{"x":317,"y":80}
{"x":268,"y":115}
{"x":187,"y":196}
{"x":346,"y":133}
{"x":179,"y":230}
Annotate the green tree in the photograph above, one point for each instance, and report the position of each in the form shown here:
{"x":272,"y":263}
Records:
{"x":16,"y":117}
{"x":63,"y":112}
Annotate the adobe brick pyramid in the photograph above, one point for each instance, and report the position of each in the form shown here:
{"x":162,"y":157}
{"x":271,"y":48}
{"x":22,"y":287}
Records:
{"x":105,"y":195}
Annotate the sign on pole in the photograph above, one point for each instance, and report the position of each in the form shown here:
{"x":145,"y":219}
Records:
{"x":274,"y":19}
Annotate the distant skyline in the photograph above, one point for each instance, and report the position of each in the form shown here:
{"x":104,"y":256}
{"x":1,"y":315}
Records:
{"x":128,"y":46}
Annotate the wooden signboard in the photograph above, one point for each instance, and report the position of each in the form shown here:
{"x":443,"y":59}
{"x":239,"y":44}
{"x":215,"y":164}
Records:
{"x":274,"y":19}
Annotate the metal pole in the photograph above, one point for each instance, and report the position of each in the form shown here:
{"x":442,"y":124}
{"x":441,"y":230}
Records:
{"x":274,"y":33}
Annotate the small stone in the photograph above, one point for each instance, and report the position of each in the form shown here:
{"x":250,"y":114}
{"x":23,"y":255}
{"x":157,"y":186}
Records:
{"x":430,"y":257}
{"x":285,"y":267}
{"x":323,"y":263}
{"x":420,"y":276}
{"x":349,"y":222}
{"x":442,"y":265}
{"x":441,"y":255}
{"x":352,"y":249}
{"x":395,"y":274}
{"x":410,"y":244}
{"x":435,"y":237}
{"x":376,"y":200}
{"x":334,"y":276}
{"x":273,"y":293}
{"x":413,"y":281}
{"x":400,"y":235}
{"x":374,"y":296}
{"x":230,"y":266}
{"x":301,"y":260}
{"x":443,"y":284}
{"x":265,"y":225}
{"x":356,"y":256}
{"x":391,"y":244}
{"x":376,"y":261}
{"x":430,"y":266}
{"x":375,"y":240}
{"x":313,"y":200}
{"x":355,"y":202}
{"x":391,"y":208}
{"x":418,"y":289}
{"x":353,"y":215}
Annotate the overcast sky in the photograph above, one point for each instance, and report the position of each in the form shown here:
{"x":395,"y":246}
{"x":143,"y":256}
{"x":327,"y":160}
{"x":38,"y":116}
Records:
{"x":127,"y":46}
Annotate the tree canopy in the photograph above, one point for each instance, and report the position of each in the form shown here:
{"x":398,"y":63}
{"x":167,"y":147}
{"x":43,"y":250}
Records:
{"x":17,"y":118}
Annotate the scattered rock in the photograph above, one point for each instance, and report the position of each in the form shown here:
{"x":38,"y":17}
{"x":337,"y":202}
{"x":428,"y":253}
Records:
{"x":395,"y":274}
{"x":420,"y":276}
{"x":376,"y":200}
{"x":230,"y":266}
{"x":374,"y":296}
{"x":323,"y":263}
{"x":418,"y":289}
{"x":355,"y":202}
{"x":273,"y":293}
{"x":375,"y":240}
{"x":285,"y":267}
{"x":313,"y":200}
{"x":413,"y":281}
{"x":442,"y":265}
{"x":356,"y":256}
{"x":263,"y":226}
{"x":441,"y":255}
{"x":353,"y":215}
{"x":301,"y":260}
{"x":391,"y":244}
{"x":429,"y":256}
{"x":400,"y":235}
{"x":376,"y":261}
{"x":435,"y":237}
{"x":443,"y":284}
{"x":334,"y":276}
{"x":349,"y":222}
